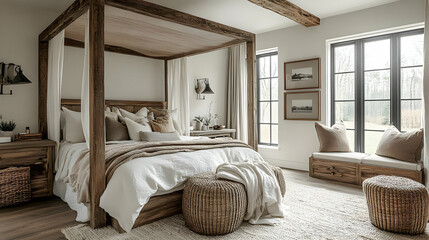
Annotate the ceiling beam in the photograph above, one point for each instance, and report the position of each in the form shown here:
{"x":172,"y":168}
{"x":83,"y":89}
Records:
{"x":171,"y":15}
{"x":289,"y":10}
{"x":109,"y":48}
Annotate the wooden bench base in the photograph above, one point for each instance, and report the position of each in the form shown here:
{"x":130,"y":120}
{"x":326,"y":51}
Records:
{"x":355,"y":173}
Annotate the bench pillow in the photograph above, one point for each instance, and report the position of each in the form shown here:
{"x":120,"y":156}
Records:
{"x":402,"y":146}
{"x":332,"y":139}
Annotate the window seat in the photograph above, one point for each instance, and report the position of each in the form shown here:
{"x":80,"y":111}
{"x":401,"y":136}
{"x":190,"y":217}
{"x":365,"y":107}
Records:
{"x":355,"y":167}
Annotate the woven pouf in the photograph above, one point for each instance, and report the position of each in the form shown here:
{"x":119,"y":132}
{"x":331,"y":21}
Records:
{"x":211,"y":206}
{"x":397,"y":204}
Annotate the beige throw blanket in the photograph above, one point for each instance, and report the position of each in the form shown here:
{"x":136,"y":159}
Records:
{"x":118,"y":154}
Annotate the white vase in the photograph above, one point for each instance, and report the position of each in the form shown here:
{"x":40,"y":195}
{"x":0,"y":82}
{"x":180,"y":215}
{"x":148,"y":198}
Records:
{"x":205,"y":128}
{"x":198,"y":126}
{"x":7,"y":134}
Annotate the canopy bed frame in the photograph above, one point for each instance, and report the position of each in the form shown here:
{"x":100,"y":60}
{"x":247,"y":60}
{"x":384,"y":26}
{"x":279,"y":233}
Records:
{"x":140,"y":28}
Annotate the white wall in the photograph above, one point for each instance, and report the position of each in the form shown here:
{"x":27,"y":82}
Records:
{"x":297,"y":139}
{"x":212,"y":65}
{"x":126,"y":77}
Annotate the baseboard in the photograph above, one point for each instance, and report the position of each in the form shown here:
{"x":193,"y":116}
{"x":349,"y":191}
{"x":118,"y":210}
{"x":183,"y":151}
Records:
{"x":303,"y":166}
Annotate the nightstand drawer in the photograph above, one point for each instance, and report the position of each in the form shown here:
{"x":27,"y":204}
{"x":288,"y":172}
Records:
{"x":23,"y":157}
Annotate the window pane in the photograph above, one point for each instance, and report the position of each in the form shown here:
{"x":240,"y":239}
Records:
{"x":264,"y":67}
{"x":411,"y":115}
{"x":377,"y":85}
{"x":345,"y":86}
{"x":371,"y":141}
{"x":377,"y":54}
{"x":264,"y":112}
{"x":377,"y":115}
{"x":264,"y":90}
{"x":264,"y":133}
{"x":274,"y":89}
{"x":274,"y":112}
{"x":411,"y":83}
{"x":351,"y":138}
{"x":412,"y":50}
{"x":344,"y":58}
{"x":345,"y":111}
{"x":274,"y":66}
{"x":275,"y":132}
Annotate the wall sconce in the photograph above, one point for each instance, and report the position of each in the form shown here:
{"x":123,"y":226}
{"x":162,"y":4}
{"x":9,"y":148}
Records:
{"x":203,"y":87}
{"x":11,"y":74}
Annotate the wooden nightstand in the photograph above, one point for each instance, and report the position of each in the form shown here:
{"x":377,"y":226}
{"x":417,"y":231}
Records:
{"x":39,"y":155}
{"x":215,"y":133}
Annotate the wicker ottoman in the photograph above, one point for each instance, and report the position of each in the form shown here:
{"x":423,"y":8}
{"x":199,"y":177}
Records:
{"x":397,"y":204}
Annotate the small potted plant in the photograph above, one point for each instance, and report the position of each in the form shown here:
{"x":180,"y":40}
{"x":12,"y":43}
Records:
{"x":207,"y":121}
{"x":198,"y":122}
{"x":7,"y":128}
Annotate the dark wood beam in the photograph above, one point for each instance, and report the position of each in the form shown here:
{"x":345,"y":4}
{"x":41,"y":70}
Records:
{"x":251,"y":94}
{"x":43,"y":88}
{"x":97,"y":180}
{"x":77,"y":9}
{"x":289,"y":10}
{"x":171,"y":15}
{"x":109,"y":48}
{"x":200,"y":51}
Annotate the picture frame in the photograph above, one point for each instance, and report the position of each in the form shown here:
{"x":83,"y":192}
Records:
{"x":302,"y":106}
{"x":302,"y":74}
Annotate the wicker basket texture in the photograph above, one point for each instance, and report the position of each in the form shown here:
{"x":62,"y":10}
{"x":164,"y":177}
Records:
{"x":15,"y":186}
{"x":397,"y":204}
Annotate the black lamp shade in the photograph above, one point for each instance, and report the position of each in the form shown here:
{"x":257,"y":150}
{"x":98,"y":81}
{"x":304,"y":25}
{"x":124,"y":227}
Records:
{"x":14,"y":75}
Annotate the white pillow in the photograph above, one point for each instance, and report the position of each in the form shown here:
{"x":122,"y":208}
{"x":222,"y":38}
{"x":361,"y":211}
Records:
{"x":73,"y":126}
{"x":140,"y":113}
{"x":135,"y":128}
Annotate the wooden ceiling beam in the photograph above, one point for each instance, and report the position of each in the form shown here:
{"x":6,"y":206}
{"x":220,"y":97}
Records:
{"x":109,"y":48}
{"x":289,"y":10}
{"x":77,"y":9}
{"x":171,"y":15}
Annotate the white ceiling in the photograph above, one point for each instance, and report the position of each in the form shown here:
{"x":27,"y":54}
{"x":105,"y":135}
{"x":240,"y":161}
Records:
{"x":237,"y":13}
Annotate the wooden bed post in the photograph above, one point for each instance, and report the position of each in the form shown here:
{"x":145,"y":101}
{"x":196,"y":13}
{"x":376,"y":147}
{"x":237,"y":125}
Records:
{"x":43,"y":87}
{"x":166,"y":82}
{"x":97,"y":180}
{"x":251,"y":93}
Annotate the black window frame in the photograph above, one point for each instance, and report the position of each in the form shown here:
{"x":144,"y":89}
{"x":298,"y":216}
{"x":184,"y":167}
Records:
{"x":258,"y":101}
{"x":359,"y":71}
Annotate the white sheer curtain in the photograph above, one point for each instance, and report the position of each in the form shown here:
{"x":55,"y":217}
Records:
{"x":237,"y":91}
{"x":178,"y":91}
{"x":84,"y":95}
{"x":426,"y":97}
{"x":55,"y":79}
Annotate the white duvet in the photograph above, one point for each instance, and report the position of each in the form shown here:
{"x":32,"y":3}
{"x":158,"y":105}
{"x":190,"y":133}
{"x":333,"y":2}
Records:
{"x":136,"y":181}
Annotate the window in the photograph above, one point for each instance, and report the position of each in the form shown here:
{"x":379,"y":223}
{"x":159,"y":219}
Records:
{"x":377,"y":82}
{"x":268,"y":100}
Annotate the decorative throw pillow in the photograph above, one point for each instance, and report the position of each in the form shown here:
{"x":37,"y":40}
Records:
{"x":332,"y":139}
{"x":163,"y":124}
{"x":73,"y":126}
{"x":402,"y":146}
{"x":112,"y":115}
{"x":159,"y":137}
{"x":162,"y":112}
{"x":135,"y":128}
{"x":116,"y":131}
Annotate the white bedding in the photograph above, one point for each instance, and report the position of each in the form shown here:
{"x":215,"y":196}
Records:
{"x":136,"y":181}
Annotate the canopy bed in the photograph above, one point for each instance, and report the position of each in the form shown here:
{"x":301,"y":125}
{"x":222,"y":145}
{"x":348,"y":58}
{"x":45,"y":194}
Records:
{"x":133,"y":27}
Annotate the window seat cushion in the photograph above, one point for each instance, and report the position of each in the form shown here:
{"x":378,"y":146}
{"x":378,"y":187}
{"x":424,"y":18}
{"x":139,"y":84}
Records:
{"x":351,"y":157}
{"x":381,"y":161}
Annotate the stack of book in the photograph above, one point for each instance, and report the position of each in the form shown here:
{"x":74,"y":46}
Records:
{"x":28,"y":136}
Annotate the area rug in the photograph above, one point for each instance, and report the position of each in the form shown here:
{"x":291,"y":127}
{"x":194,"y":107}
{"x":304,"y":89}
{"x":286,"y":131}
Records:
{"x":312,"y":212}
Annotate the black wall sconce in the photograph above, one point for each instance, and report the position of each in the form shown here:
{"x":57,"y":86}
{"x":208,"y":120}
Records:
{"x":11,"y":74}
{"x":203,"y":87}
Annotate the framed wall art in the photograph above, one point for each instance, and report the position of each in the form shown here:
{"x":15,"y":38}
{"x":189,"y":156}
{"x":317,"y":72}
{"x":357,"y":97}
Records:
{"x":303,"y":74}
{"x":302,"y":106}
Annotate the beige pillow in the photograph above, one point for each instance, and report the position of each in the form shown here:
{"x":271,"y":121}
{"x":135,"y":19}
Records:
{"x":163,"y":124}
{"x":135,"y":128}
{"x":332,"y":139}
{"x":402,"y":146}
{"x":116,"y":131}
{"x":72,"y":126}
{"x":174,"y":114}
{"x":159,"y":137}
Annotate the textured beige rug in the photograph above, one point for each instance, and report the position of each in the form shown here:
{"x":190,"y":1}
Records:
{"x":312,"y":213}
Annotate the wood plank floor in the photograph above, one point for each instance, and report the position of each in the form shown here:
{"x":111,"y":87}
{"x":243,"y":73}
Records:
{"x":44,"y":219}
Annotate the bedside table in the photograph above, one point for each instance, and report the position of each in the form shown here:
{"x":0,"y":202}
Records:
{"x":39,"y":156}
{"x":215,"y":133}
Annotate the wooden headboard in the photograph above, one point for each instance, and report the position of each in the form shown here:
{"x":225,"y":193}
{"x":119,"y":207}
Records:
{"x":131,"y":106}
